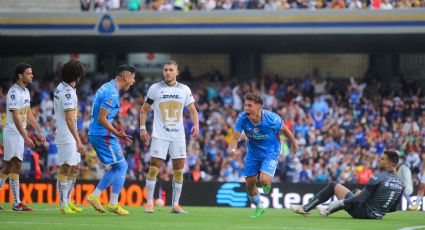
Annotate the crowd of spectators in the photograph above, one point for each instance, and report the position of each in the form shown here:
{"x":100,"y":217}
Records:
{"x":102,"y":6}
{"x":342,"y":126}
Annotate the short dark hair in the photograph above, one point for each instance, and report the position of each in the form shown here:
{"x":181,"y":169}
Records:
{"x":393,"y":156}
{"x":123,"y":68}
{"x":171,"y":62}
{"x":20,"y":69}
{"x":255,"y":98}
{"x":71,"y":71}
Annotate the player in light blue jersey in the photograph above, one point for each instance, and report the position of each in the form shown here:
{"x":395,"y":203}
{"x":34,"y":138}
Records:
{"x":104,"y":138}
{"x":262,"y":129}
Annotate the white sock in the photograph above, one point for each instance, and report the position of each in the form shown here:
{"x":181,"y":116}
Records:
{"x":419,"y":200}
{"x":14,"y":186}
{"x":97,"y":192}
{"x":150,"y":187}
{"x":62,"y":190}
{"x":177,"y":191}
{"x":71,"y":185}
{"x":114,"y":199}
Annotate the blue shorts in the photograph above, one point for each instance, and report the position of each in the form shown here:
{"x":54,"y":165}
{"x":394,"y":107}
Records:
{"x":108,"y":149}
{"x":253,"y":166}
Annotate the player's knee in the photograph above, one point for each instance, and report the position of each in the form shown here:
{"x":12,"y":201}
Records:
{"x":62,"y":178}
{"x":65,"y":169}
{"x":75,"y":169}
{"x":153,"y":172}
{"x":178,"y":175}
{"x":122,"y":166}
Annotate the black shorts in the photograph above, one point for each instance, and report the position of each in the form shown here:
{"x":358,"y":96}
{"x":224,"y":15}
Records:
{"x":358,"y":211}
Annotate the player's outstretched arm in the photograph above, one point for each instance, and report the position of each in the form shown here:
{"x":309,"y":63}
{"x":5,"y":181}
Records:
{"x":17,"y":120}
{"x":144,"y":136}
{"x":33,"y":122}
{"x":233,"y":144}
{"x":194,"y":115}
{"x":291,"y":138}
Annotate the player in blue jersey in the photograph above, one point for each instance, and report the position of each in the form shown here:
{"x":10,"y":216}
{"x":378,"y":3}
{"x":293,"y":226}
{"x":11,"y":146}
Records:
{"x":104,"y":138}
{"x":262,"y":129}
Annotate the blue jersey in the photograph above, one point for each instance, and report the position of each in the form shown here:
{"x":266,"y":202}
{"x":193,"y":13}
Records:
{"x":107,"y":97}
{"x":263,"y":138}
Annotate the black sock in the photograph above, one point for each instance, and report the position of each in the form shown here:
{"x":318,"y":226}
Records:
{"x":321,"y":197}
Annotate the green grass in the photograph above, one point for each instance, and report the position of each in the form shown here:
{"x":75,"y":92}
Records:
{"x":46,"y":217}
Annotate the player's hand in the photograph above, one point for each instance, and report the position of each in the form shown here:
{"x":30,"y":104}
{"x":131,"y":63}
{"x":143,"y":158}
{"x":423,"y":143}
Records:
{"x":335,"y":205}
{"x":42,"y":138}
{"x":144,"y":136}
{"x":234,"y":154}
{"x":127,"y":138}
{"x":29,"y":142}
{"x":80,"y":147}
{"x":294,"y":150}
{"x":195,"y":131}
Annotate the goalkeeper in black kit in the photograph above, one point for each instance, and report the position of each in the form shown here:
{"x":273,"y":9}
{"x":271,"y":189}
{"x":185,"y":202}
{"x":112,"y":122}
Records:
{"x":381,"y":195}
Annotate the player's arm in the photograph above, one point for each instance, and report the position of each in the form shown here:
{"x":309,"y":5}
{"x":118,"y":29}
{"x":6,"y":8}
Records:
{"x":288,"y":134}
{"x":234,"y":143}
{"x":70,"y":123}
{"x":102,"y":118}
{"x":33,"y":122}
{"x":194,"y":115}
{"x":146,"y":107}
{"x":17,"y":120}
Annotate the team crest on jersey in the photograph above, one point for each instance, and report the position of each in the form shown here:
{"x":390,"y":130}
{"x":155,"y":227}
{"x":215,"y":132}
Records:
{"x":68,"y":96}
{"x":12,"y":97}
{"x":110,"y":102}
{"x":255,"y":130}
{"x":156,"y":152}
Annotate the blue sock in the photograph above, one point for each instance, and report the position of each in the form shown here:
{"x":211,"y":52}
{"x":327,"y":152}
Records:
{"x":119,"y":177}
{"x":255,"y":200}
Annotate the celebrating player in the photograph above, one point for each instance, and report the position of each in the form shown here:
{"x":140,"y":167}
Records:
{"x":168,"y":99}
{"x":104,"y":138}
{"x":66,"y":136}
{"x":381,"y":195}
{"x":18,"y":112}
{"x":262,"y":129}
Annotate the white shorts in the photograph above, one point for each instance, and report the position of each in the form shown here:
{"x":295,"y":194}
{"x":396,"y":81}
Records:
{"x":160,"y":148}
{"x":13,"y":146}
{"x":67,"y":154}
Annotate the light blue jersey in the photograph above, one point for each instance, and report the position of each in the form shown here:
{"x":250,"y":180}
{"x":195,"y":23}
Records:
{"x":107,"y":97}
{"x":263,"y":142}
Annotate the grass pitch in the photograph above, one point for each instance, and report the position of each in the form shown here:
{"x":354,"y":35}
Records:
{"x":47,"y":217}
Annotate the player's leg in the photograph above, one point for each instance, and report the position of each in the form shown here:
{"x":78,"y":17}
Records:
{"x":178,"y":156}
{"x":419,"y":196}
{"x":251,"y":171}
{"x":268,"y":169}
{"x":158,"y":152}
{"x":72,"y":179}
{"x":62,"y":187}
{"x":4,"y":174}
{"x":120,"y":171}
{"x":16,"y":166}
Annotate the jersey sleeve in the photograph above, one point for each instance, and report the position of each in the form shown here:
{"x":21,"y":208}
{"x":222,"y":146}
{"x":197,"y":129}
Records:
{"x":373,"y":183}
{"x":151,"y":94}
{"x":239,"y":125}
{"x":108,"y":101}
{"x":277,"y":122}
{"x":189,"y":97}
{"x":14,"y":101}
{"x":68,"y":101}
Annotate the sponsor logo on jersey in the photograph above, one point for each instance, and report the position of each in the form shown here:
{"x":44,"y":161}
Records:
{"x":170,"y":96}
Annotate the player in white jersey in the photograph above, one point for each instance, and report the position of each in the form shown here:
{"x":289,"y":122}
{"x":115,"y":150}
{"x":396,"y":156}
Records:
{"x":18,"y":113}
{"x":421,"y":190}
{"x":168,"y":99}
{"x":67,"y":138}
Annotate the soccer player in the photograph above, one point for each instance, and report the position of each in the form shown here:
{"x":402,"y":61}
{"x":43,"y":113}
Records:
{"x":168,"y":99}
{"x":262,"y":129}
{"x":66,"y":136}
{"x":421,"y":189}
{"x":381,"y":195}
{"x":405,"y":175}
{"x":18,"y":112}
{"x":104,"y":138}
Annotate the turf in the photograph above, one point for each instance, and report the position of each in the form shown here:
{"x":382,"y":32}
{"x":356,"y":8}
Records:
{"x":46,"y":217}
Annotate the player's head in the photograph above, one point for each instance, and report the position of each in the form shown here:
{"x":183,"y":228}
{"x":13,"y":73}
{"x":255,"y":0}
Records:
{"x":253,"y":104}
{"x":23,"y":72}
{"x":389,"y":160}
{"x":170,"y":72}
{"x":126,"y":75}
{"x":72,"y":71}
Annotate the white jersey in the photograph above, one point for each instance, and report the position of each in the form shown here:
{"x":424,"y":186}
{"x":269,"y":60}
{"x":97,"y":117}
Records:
{"x":17,"y":99}
{"x":168,"y":105}
{"x":65,"y":99}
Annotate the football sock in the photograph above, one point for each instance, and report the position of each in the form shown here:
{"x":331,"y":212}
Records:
{"x":72,"y":178}
{"x":14,"y":186}
{"x":324,"y":195}
{"x":62,"y":189}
